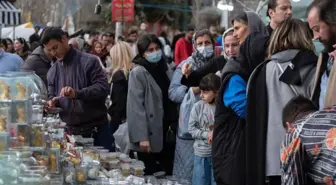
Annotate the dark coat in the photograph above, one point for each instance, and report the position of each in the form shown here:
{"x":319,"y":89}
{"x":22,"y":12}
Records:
{"x":38,"y":62}
{"x":118,"y":96}
{"x":229,"y":137}
{"x":83,"y":73}
{"x":214,"y":65}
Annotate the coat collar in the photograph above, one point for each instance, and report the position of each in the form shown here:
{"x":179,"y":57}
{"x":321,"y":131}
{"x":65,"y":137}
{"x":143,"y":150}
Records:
{"x":151,"y":81}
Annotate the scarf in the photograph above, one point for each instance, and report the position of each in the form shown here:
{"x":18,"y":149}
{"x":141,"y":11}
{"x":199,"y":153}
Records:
{"x":199,"y":59}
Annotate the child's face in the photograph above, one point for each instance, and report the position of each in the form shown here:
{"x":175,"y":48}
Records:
{"x":208,"y":96}
{"x":98,"y":48}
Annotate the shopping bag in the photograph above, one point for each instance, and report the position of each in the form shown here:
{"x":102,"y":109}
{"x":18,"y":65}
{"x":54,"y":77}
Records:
{"x":121,"y":138}
{"x":188,"y":102}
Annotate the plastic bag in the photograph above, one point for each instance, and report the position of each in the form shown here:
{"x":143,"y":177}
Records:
{"x":121,"y":138}
{"x":188,"y":102}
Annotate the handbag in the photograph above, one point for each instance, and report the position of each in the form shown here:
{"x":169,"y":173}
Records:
{"x":188,"y":102}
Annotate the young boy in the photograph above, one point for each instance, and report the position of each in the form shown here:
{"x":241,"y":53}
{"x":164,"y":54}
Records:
{"x":200,"y":127}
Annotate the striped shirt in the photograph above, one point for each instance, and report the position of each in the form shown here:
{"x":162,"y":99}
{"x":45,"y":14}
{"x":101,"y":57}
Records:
{"x":308,"y":152}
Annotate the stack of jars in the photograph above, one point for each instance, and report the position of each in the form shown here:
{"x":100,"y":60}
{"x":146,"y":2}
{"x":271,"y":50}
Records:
{"x":18,"y":167}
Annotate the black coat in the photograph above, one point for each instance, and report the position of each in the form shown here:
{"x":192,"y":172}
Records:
{"x":38,"y":62}
{"x":229,"y":137}
{"x":118,"y":96}
{"x":214,"y":65}
{"x":228,"y":147}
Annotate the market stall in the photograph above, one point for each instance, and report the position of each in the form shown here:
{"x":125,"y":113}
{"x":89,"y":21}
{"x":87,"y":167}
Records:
{"x":35,"y":149}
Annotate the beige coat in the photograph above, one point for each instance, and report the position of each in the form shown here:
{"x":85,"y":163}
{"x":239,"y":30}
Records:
{"x":330,"y":98}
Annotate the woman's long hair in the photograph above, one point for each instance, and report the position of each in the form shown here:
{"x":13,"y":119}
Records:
{"x":121,"y":56}
{"x":25,"y":47}
{"x":291,"y":34}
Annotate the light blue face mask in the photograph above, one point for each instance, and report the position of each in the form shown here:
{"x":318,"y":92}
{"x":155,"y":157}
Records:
{"x":206,"y":51}
{"x":154,"y":57}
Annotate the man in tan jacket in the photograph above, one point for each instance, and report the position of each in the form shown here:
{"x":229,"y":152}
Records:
{"x":322,"y":21}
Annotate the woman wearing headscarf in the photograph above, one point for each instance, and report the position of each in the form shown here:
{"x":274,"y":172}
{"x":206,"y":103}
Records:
{"x":204,"y":45}
{"x":289,"y":72}
{"x":228,"y":148}
{"x":150,"y":113}
{"x":231,"y":49}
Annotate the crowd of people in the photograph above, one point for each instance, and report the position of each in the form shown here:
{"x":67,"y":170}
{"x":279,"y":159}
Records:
{"x":261,"y":112}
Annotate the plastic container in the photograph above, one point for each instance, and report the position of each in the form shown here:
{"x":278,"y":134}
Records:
{"x":100,"y":151}
{"x":125,"y":169}
{"x":138,"y":170}
{"x":111,"y":156}
{"x":113,"y":164}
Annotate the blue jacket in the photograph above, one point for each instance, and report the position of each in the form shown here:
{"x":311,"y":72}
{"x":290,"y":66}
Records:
{"x":235,"y":95}
{"x":82,"y":72}
{"x":9,"y":62}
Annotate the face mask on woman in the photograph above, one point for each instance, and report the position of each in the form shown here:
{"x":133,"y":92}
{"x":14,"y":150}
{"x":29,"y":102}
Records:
{"x":206,"y":51}
{"x":154,"y":57}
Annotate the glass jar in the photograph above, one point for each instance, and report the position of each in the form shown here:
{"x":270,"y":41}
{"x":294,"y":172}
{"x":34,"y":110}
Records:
{"x":4,"y":141}
{"x":33,"y":179}
{"x":69,"y":175}
{"x":37,"y":135}
{"x":93,"y":170}
{"x":81,"y":174}
{"x":32,"y":83}
{"x":5,"y":117}
{"x":90,"y":154}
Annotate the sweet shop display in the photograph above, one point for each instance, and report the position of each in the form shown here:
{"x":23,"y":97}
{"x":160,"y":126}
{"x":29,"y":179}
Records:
{"x":35,"y":149}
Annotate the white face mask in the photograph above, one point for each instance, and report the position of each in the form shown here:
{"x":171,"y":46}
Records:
{"x":206,"y":51}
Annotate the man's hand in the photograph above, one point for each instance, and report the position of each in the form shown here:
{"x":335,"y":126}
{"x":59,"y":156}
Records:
{"x":68,"y":92}
{"x":187,"y":69}
{"x":333,"y":53}
{"x":145,"y":146}
{"x":52,"y":103}
{"x":210,"y":137}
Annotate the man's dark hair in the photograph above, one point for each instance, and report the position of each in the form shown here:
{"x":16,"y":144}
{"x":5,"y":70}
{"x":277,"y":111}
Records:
{"x":190,"y":27}
{"x":326,"y":10}
{"x":133,"y":30}
{"x":296,"y":106}
{"x":210,"y":82}
{"x":4,"y":43}
{"x":272,"y":4}
{"x":51,"y":33}
{"x":37,"y":27}
{"x":94,"y":33}
{"x":108,"y":34}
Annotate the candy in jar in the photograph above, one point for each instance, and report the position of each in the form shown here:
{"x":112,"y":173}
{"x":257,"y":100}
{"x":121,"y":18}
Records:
{"x":5,"y":95}
{"x":3,"y":123}
{"x":21,"y":95}
{"x":21,"y":115}
{"x":53,"y":162}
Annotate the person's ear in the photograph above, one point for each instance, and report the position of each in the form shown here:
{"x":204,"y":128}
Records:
{"x":289,"y":126}
{"x":270,"y":12}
